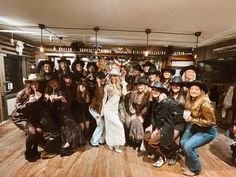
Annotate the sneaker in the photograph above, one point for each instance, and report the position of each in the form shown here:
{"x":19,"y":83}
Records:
{"x":152,"y":156}
{"x":188,"y":173}
{"x":159,"y":163}
{"x":172,"y":161}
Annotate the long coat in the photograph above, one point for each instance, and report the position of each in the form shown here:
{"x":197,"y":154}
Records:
{"x":163,"y":115}
{"x":25,"y":111}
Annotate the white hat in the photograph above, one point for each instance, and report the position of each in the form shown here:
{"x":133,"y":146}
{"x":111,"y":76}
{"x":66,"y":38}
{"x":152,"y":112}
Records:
{"x":33,"y":77}
{"x":115,"y":71}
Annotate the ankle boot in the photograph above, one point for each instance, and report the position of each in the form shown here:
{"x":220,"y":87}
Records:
{"x":66,"y":151}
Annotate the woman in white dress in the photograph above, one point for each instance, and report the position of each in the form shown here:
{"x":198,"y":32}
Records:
{"x":114,"y":129}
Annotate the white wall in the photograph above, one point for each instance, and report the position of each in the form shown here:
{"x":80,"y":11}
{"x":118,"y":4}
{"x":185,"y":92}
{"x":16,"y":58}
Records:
{"x":10,"y":105}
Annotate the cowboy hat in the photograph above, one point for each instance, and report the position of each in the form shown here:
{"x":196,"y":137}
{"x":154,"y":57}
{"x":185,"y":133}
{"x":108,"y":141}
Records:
{"x":188,"y":68}
{"x":63,"y":59}
{"x":43,"y":62}
{"x":100,"y":75}
{"x":160,"y":86}
{"x":153,"y":70}
{"x":67,"y":74}
{"x":168,"y":69}
{"x":176,"y":80}
{"x":148,"y":63}
{"x":51,"y":76}
{"x":73,"y":66}
{"x":115,"y":71}
{"x":142,"y":80}
{"x":198,"y":83}
{"x":138,"y":67}
{"x":33,"y":77}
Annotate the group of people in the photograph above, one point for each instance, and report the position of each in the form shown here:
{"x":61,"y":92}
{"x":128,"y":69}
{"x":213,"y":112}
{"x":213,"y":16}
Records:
{"x":147,"y":109}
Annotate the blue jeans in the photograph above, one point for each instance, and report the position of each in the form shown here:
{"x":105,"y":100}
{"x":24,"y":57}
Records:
{"x":191,"y":140}
{"x":99,"y":132}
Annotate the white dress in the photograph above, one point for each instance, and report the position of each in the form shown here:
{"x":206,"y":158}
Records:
{"x":114,"y":129}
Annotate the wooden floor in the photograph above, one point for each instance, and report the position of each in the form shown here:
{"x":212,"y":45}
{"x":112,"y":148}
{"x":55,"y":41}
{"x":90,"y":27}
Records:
{"x":102,"y":162}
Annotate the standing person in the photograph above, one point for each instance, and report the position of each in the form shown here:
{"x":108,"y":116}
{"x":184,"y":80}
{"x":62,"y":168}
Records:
{"x":136,"y":73}
{"x":95,"y":109}
{"x":201,"y":128}
{"x":159,"y":135}
{"x":90,"y":80}
{"x":176,"y":90}
{"x":146,"y":67}
{"x":153,"y":75}
{"x":45,"y":67}
{"x":167,"y":74}
{"x":189,"y":73}
{"x":26,"y":115}
{"x":64,"y":67}
{"x":138,"y":107}
{"x":114,"y":129}
{"x":78,"y":70}
{"x":81,"y":108}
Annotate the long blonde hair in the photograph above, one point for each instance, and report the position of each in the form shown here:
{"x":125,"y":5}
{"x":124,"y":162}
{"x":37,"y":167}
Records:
{"x":191,"y":103}
{"x":111,"y":87}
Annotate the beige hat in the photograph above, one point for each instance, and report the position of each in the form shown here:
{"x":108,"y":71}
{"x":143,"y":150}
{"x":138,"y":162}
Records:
{"x":33,"y":77}
{"x":115,"y":71}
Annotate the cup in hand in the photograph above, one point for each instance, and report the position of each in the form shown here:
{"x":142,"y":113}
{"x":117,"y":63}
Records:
{"x":186,"y":113}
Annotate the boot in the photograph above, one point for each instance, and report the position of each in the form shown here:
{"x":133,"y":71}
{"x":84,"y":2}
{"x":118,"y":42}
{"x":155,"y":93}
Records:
{"x":67,"y":151}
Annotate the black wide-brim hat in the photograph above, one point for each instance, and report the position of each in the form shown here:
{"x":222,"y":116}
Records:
{"x":63,"y":59}
{"x":100,"y":75}
{"x":43,"y":62}
{"x":176,"y":80}
{"x":142,"y":80}
{"x":51,"y":76}
{"x":67,"y":74}
{"x":138,"y":67}
{"x":73,"y":66}
{"x":168,"y":69}
{"x":153,"y":70}
{"x":92,"y":64}
{"x":161,"y":87}
{"x":198,"y":83}
{"x":192,"y":67}
{"x":148,"y":63}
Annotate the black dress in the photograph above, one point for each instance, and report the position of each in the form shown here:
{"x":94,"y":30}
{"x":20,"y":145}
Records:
{"x":61,"y":113}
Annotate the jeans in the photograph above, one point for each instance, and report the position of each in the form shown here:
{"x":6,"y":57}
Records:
{"x":99,"y":132}
{"x":191,"y":140}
